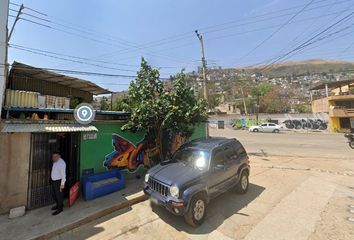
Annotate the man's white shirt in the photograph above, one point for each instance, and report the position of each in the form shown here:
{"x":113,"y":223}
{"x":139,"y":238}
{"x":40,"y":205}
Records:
{"x":58,"y":171}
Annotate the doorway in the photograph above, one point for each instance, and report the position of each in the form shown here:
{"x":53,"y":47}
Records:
{"x":42,"y":147}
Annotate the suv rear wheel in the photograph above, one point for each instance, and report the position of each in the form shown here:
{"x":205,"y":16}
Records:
{"x":197,"y":211}
{"x":242,"y":185}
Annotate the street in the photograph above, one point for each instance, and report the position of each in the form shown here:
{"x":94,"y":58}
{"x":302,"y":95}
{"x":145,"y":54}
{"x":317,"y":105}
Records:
{"x":290,"y":144}
{"x":301,"y":188}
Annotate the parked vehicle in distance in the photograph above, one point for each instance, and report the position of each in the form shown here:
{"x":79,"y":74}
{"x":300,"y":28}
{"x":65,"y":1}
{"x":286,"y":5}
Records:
{"x":266,"y":127}
{"x":199,"y":171}
{"x":350,"y":137}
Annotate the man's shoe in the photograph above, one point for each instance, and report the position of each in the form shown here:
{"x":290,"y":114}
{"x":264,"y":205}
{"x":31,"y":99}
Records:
{"x":57,"y":212}
{"x":54,"y":208}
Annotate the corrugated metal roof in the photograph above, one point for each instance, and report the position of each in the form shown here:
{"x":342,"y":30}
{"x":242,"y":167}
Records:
{"x":50,"y":76}
{"x":42,"y":127}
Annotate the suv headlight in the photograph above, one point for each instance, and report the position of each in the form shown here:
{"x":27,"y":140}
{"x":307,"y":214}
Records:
{"x":147,"y":177}
{"x":174,"y":191}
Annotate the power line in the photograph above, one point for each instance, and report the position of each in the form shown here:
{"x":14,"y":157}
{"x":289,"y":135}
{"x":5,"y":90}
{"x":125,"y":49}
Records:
{"x":276,"y":11}
{"x":320,"y":39}
{"x":261,"y":29}
{"x":82,"y":58}
{"x":277,"y":30}
{"x":317,"y":35}
{"x":109,"y":39}
{"x":15,"y":4}
{"x":309,"y":27}
{"x":90,"y":37}
{"x":186,"y":35}
{"x":277,"y":25}
{"x":309,"y":41}
{"x":247,"y":23}
{"x":67,"y":71}
{"x":182,"y":36}
{"x":71,"y":60}
{"x":249,"y":31}
{"x":85,"y":37}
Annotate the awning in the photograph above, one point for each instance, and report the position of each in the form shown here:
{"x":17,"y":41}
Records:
{"x":51,"y":76}
{"x":50,"y":128}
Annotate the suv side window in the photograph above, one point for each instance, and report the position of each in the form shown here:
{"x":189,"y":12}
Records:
{"x":240,"y":150}
{"x":230,"y":153}
{"x":219,"y":157}
{"x":272,"y":124}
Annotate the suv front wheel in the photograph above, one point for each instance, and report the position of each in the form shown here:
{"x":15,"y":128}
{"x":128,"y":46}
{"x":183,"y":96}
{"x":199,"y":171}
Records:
{"x":242,"y":185}
{"x":197,"y":211}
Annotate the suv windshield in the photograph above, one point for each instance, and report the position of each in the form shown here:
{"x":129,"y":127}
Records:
{"x":193,"y":157}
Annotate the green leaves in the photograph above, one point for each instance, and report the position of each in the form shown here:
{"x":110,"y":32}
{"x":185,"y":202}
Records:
{"x":154,"y":107}
{"x":261,"y":89}
{"x":185,"y":109}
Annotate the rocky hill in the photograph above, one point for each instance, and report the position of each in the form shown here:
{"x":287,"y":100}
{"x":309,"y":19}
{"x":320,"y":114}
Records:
{"x":301,"y":68}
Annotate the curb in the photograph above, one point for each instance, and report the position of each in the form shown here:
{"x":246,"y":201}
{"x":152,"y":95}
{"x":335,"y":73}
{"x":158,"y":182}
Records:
{"x":123,"y":204}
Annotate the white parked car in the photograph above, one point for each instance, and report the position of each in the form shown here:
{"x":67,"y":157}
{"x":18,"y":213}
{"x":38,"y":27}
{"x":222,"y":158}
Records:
{"x":266,"y":127}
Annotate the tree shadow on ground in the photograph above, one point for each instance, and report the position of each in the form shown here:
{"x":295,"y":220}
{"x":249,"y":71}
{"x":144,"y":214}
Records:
{"x":218,"y":210}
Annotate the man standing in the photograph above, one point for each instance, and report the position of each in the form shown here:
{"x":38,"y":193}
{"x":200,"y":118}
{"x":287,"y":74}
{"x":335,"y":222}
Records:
{"x":58,"y":177}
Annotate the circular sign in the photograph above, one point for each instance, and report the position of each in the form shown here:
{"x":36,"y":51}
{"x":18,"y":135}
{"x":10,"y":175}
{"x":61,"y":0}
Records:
{"x":84,"y":113}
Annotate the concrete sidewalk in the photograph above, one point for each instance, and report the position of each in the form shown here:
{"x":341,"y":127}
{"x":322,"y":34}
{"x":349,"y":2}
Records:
{"x":40,"y":224}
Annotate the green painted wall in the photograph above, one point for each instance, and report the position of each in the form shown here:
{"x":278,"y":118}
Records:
{"x":92,"y":152}
{"x":200,"y":131}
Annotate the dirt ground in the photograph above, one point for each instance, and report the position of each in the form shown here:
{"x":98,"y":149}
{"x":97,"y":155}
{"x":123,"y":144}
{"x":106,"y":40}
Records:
{"x":302,"y":187}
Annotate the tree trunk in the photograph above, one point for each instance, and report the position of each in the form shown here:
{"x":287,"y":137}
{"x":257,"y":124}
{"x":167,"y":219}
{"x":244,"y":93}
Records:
{"x":159,"y":141}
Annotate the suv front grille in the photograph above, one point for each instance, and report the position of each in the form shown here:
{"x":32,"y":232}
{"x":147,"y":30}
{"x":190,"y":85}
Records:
{"x":158,"y":187}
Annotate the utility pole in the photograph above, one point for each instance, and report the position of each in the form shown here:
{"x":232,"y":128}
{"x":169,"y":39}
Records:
{"x":258,"y":95}
{"x":200,"y":37}
{"x":244,"y":102}
{"x":4,"y":12}
{"x":17,"y":18}
{"x":6,"y":65}
{"x":257,"y":107}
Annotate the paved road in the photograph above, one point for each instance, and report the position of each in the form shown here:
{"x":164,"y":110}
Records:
{"x":290,"y":197}
{"x":291,"y":144}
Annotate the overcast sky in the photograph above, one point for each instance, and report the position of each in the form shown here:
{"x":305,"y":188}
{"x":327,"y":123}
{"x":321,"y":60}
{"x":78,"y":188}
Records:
{"x":112,"y":35}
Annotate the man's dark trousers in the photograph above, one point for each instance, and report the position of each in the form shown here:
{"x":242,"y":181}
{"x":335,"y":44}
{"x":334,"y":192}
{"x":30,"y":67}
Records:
{"x":57,"y":194}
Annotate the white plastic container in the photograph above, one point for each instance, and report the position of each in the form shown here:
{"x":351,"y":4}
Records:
{"x":67,"y":103}
{"x":41,"y":101}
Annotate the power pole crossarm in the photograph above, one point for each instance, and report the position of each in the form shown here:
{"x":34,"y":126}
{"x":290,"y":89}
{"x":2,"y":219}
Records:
{"x":16,"y":19}
{"x":200,"y":37}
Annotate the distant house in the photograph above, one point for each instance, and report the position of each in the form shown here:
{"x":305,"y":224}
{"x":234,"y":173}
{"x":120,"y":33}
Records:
{"x":338,"y":103}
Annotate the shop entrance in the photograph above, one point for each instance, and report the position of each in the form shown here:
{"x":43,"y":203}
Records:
{"x":42,"y":147}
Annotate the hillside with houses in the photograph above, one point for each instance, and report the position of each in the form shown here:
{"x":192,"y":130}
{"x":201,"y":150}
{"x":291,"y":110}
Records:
{"x":290,"y":81}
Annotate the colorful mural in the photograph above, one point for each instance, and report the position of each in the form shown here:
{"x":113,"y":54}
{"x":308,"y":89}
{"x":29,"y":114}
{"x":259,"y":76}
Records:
{"x":113,"y":148}
{"x":127,"y":155}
